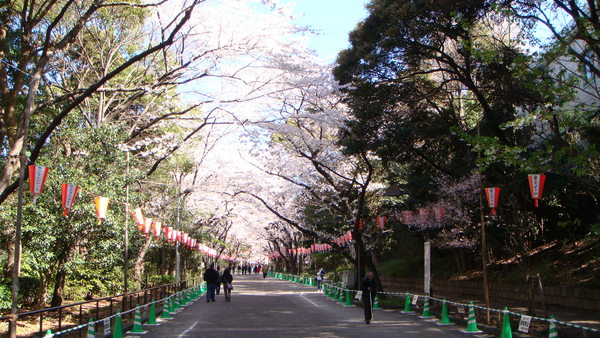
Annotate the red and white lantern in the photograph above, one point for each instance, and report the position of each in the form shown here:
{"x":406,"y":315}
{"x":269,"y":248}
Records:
{"x":101,"y":207}
{"x":147,"y":226}
{"x":37,"y":179}
{"x":536,"y":187}
{"x":423,"y":214}
{"x":69,"y":191}
{"x":381,"y":221}
{"x":156,"y":228}
{"x":407,"y":216}
{"x":493,"y":195}
{"x":139,"y":218}
{"x":438,"y":213}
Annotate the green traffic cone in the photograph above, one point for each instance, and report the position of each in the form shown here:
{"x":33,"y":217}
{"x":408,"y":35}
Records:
{"x":506,"y":329}
{"x":91,"y":329}
{"x":445,"y":319}
{"x":407,"y":303}
{"x":118,"y":330}
{"x":426,"y":309}
{"x":552,"y":332}
{"x":376,"y":304}
{"x":348,"y":298}
{"x":165,"y":310}
{"x":152,"y":315}
{"x":341,"y":296}
{"x":49,"y":334}
{"x":137,"y":322}
{"x":472,"y":321}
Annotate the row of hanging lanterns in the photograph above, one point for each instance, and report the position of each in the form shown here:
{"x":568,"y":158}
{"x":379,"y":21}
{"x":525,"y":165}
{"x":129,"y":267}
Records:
{"x":37,"y":180}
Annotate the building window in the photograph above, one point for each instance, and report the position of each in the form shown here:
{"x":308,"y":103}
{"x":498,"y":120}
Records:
{"x":588,"y":74}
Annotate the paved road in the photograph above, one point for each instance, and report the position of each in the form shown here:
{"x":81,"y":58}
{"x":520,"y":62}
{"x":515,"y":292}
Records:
{"x":276,"y":308}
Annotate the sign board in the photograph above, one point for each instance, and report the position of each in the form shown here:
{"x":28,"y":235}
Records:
{"x":461,"y":309}
{"x":415,"y":299}
{"x":427,"y":267}
{"x":524,"y":324}
{"x":106,"y":323}
{"x":358,"y":295}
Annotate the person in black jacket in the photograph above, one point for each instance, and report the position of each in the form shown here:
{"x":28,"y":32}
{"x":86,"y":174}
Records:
{"x":227,"y":279}
{"x":368,"y":286}
{"x":211,"y":276}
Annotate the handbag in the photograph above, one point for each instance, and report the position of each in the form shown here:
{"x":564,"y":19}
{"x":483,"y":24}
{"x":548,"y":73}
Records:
{"x":229,"y":286}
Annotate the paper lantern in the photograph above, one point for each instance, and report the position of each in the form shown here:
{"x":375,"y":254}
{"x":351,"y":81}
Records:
{"x":407,"y":216}
{"x":168,"y":233}
{"x":438,"y":212}
{"x":69,"y":191}
{"x":139,"y":218}
{"x":156,"y":228}
{"x":493,"y":195}
{"x":147,"y":226}
{"x":349,"y":234}
{"x":423,"y":213}
{"x":536,"y":187}
{"x":360,"y":225}
{"x":101,"y":207}
{"x":37,"y":179}
{"x":381,"y":221}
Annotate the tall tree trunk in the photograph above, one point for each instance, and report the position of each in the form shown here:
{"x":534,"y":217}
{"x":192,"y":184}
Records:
{"x":42,"y":291}
{"x":10,"y":252}
{"x":59,"y":285}
{"x":138,"y":267}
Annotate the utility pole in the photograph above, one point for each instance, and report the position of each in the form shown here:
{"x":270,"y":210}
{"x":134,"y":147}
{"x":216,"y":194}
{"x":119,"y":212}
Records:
{"x":35,"y":81}
{"x":177,"y":257}
{"x":126,"y":253}
{"x":484,"y":261}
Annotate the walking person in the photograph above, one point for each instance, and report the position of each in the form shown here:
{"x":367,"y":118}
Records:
{"x":368,"y":285}
{"x":220,"y":272}
{"x":227,"y":280}
{"x":320,"y":276}
{"x":211,"y":277}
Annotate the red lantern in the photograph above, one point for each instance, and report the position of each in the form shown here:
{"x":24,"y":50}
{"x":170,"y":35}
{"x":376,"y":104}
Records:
{"x":423,"y":213}
{"x":101,"y":207}
{"x":536,"y":186}
{"x":381,"y":220}
{"x":156,"y":228}
{"x":349,"y":234}
{"x":147,"y":226}
{"x":360,"y":225}
{"x":69,"y":191}
{"x":438,"y":212}
{"x":139,"y":218}
{"x":37,"y":179}
{"x":493,"y":195}
{"x":407,"y":216}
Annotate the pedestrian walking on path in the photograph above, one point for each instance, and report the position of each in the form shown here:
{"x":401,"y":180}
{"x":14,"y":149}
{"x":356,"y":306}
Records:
{"x":227,"y":280}
{"x":211,"y":276}
{"x":368,"y":285}
{"x":219,"y":281}
{"x":320,"y":276}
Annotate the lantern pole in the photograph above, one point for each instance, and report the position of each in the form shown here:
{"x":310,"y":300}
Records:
{"x":177,"y":257}
{"x":484,"y":260}
{"x":126,"y":253}
{"x":35,"y":81}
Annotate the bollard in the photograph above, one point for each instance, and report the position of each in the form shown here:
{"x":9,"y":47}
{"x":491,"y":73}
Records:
{"x":137,"y":322}
{"x":472,"y":321}
{"x":506,"y":329}
{"x":341,"y":296}
{"x":348,"y":298}
{"x":376,"y":303}
{"x":91,"y":329}
{"x":444,"y":318}
{"x":166,"y":309}
{"x":152,"y":314}
{"x":118,"y":330}
{"x":49,"y":334}
{"x":426,"y":309}
{"x":407,"y":303}
{"x":552,"y":331}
